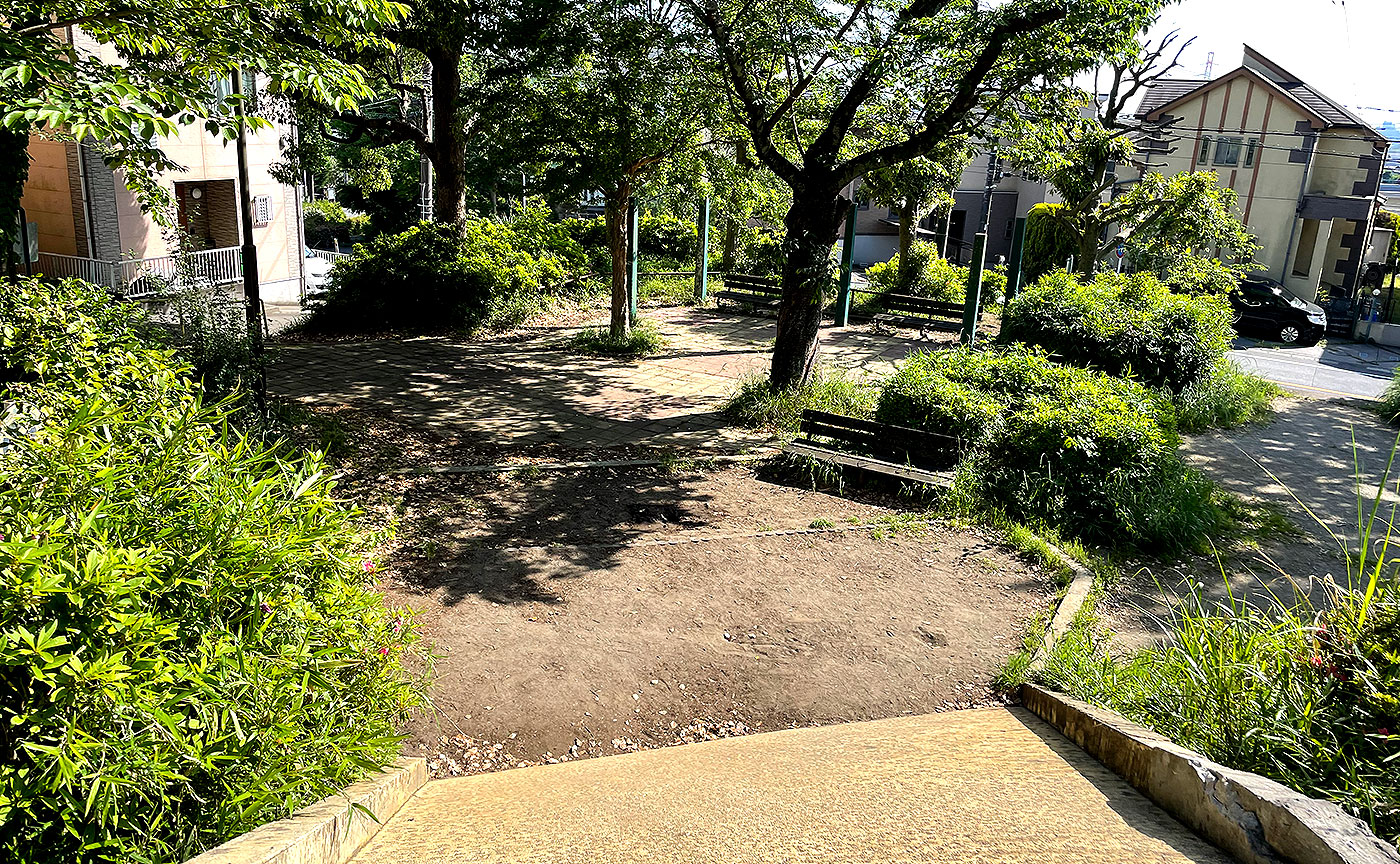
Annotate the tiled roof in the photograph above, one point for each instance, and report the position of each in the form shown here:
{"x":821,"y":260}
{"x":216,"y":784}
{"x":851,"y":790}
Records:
{"x":1166,"y":90}
{"x":1334,"y":114}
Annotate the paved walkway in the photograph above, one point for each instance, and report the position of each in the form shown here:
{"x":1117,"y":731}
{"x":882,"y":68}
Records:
{"x":528,"y":389}
{"x":992,"y":785}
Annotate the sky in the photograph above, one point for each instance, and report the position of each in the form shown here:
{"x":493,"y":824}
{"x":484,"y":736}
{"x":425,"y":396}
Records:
{"x":1348,"y":49}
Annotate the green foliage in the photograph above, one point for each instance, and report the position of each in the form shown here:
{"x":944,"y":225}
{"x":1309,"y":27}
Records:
{"x":1122,"y":325}
{"x":761,"y":253}
{"x":642,"y":340}
{"x":665,"y":242}
{"x":208,"y":332}
{"x":757,"y":405}
{"x":325,"y":223}
{"x":1092,"y":455}
{"x":933,"y":276}
{"x":1225,"y":398}
{"x":189,"y":642}
{"x":668,"y":291}
{"x":1049,"y":241}
{"x":1307,"y":696}
{"x":1191,"y":274}
{"x":431,"y":279}
{"x":1391,"y":220}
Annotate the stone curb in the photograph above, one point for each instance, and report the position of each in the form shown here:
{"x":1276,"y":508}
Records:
{"x":330,"y":831}
{"x":1254,"y":819}
{"x":1070,"y":604}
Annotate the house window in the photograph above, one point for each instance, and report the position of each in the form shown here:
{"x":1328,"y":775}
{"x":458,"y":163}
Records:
{"x":1227,"y":151}
{"x":1010,"y":229}
{"x":262,"y":209}
{"x":1250,"y":152}
{"x":1205,"y":148}
{"x":893,"y":214}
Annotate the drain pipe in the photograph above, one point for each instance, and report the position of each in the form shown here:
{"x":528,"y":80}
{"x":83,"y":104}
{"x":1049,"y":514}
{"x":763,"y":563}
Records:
{"x":84,"y":189}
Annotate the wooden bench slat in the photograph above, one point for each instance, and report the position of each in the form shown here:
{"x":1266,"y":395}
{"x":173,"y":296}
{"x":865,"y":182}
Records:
{"x":933,"y":478}
{"x":873,"y":426}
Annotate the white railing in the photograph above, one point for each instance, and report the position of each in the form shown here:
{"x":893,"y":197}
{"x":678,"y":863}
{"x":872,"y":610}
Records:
{"x":326,"y":255}
{"x":144,"y":277}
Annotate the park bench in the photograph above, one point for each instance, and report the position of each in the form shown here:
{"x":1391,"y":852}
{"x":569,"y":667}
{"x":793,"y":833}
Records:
{"x":750,"y":292}
{"x":910,"y":311}
{"x":896,"y":451}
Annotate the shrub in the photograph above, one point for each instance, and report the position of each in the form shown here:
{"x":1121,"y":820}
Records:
{"x":1225,"y":398}
{"x":1389,"y":405}
{"x":1049,"y":242}
{"x":540,"y":234}
{"x":431,"y":280}
{"x":1092,"y":455}
{"x":208,"y":332}
{"x":189,"y":643}
{"x":1123,"y":325}
{"x":325,"y":224}
{"x":1307,"y":695}
{"x":934,"y":277}
{"x":761,"y":253}
{"x":667,"y":291}
{"x":643,"y":340}
{"x":755,"y":404}
{"x":668,"y":238}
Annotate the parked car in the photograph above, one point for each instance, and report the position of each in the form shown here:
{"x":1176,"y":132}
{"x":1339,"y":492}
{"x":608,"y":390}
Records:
{"x":317,"y":270}
{"x":1267,"y":309}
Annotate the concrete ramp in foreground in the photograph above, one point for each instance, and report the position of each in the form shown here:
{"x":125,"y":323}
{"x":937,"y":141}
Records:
{"x":988,"y":785}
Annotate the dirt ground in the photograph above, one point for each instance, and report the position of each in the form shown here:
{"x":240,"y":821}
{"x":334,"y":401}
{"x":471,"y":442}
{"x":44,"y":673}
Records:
{"x":591,"y":612}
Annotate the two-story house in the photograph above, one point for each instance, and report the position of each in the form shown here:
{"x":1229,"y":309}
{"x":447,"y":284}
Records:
{"x":90,"y":225}
{"x":1307,"y":170}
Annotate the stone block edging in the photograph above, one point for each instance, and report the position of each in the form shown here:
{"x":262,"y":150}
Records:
{"x":330,"y":831}
{"x":1254,"y":819}
{"x":1073,"y":600}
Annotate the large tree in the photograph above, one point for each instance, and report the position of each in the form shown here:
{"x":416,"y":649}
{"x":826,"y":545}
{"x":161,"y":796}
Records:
{"x":830,"y":92}
{"x":153,"y":71}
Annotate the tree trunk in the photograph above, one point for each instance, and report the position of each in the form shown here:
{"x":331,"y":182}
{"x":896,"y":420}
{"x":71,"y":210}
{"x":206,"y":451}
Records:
{"x":615,"y":219}
{"x":812,"y":225}
{"x":14,"y":169}
{"x":1088,"y":251}
{"x":906,"y":239}
{"x":449,"y":147}
{"x":731,"y":244}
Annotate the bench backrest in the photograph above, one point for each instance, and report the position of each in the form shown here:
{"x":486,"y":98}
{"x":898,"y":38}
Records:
{"x":919,"y":306}
{"x":899,"y":443}
{"x":755,"y":284}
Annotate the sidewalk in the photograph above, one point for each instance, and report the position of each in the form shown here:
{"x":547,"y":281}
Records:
{"x":993,"y":785}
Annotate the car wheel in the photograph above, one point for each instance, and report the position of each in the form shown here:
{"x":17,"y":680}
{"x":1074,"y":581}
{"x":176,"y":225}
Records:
{"x":1290,"y":334}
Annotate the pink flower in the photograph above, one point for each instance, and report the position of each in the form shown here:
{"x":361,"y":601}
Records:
{"x":384,"y":652}
{"x":1316,"y":661}
{"x":1383,"y":731}
{"x":398,"y":625}
{"x":266,"y":608}
{"x":367,"y":566}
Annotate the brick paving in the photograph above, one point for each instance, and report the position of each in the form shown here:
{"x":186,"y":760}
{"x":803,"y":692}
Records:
{"x":526,"y":389}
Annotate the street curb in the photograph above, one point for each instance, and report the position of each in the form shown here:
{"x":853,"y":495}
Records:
{"x":1254,"y":819}
{"x":1075,"y":596}
{"x":330,"y":831}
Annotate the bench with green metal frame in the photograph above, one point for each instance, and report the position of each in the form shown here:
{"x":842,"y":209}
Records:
{"x":750,"y":292}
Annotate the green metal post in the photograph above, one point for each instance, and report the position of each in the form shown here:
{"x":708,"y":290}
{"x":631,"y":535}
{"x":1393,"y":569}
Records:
{"x":972,"y":308}
{"x":702,"y":266}
{"x":632,"y":287}
{"x":1013,"y":267}
{"x":848,"y":261}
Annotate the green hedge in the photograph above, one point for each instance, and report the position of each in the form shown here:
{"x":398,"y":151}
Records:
{"x":933,"y":276}
{"x":190,"y":643}
{"x":1123,"y":325}
{"x":1093,"y":455}
{"x":430,"y":279}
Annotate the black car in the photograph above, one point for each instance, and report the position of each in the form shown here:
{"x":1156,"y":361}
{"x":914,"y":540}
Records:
{"x":1267,"y":309}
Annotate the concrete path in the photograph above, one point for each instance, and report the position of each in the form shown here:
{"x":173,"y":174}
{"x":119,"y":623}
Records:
{"x":992,"y":785}
{"x":527,"y":389}
{"x":1335,"y":368}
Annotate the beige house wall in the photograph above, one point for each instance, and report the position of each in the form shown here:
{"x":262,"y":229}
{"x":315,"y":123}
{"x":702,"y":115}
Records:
{"x":1269,"y":191}
{"x":48,"y":197}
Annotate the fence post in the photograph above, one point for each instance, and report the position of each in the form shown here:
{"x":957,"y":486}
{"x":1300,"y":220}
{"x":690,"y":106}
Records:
{"x":702,"y":265}
{"x":1013,"y":267}
{"x":848,"y":258}
{"x":632,"y":236}
{"x":972,"y":307}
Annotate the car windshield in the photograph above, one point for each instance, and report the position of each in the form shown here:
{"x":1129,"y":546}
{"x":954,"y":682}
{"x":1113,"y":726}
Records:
{"x":1282,"y":293}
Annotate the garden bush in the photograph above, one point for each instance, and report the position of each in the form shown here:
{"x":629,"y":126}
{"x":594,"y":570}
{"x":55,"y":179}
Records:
{"x":1224,"y":398}
{"x":934,"y":277}
{"x":1049,"y":242}
{"x":1122,"y":325}
{"x":326,"y":225}
{"x":429,"y":279}
{"x":190,"y":643}
{"x":1305,"y":694}
{"x":1092,"y":455}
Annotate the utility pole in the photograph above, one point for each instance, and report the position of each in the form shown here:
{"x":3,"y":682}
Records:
{"x":994,"y":175}
{"x":252,"y":291}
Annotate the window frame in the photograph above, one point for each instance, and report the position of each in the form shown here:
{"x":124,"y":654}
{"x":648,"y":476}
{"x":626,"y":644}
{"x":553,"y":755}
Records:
{"x":1235,"y":147}
{"x":1203,"y":151}
{"x":1251,"y":153}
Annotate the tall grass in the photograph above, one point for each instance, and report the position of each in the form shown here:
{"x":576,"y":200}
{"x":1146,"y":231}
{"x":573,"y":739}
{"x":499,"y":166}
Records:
{"x":757,"y":405}
{"x":642,"y":341}
{"x":1226,"y":398}
{"x":1306,"y":693}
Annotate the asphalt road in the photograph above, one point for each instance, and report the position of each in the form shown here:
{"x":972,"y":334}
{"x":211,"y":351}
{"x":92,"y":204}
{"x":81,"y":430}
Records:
{"x":1327,"y":371}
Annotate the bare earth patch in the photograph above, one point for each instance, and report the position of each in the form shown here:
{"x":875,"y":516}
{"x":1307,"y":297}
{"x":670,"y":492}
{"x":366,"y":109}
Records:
{"x":587,"y":613}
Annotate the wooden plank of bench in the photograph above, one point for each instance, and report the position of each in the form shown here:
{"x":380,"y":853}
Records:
{"x":918,"y":475}
{"x":875,"y":427}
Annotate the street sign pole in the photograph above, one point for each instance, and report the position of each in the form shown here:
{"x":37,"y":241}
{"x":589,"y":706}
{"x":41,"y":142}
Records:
{"x":972,"y":308}
{"x":848,"y":259}
{"x":1014,"y":266}
{"x":702,"y":265}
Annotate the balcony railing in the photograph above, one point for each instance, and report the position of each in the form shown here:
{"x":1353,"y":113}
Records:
{"x":136,"y":278}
